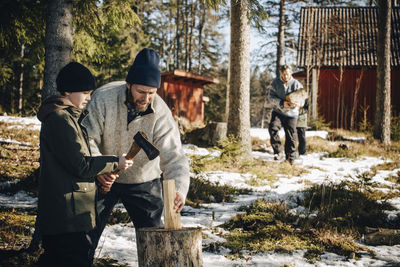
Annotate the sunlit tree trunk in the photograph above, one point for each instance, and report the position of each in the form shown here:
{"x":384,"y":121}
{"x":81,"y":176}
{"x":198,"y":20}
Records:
{"x":177,"y":34}
{"x":21,"y":81}
{"x":200,"y":27}
{"x":281,"y":37}
{"x":239,"y":78}
{"x":382,"y":114}
{"x":58,"y":42}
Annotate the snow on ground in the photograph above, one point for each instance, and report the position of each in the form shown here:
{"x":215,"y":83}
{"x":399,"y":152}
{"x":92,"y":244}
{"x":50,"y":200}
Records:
{"x":22,"y":122}
{"x":119,"y":241}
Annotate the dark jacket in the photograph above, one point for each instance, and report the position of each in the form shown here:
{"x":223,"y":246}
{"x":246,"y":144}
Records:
{"x":67,"y":171}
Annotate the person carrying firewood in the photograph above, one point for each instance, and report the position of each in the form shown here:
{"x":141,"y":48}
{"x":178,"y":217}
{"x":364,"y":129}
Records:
{"x":285,"y":112}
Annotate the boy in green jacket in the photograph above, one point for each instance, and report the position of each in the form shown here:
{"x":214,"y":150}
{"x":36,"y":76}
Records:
{"x":67,"y":189}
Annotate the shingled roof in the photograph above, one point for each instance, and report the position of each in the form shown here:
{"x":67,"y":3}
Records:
{"x":343,"y":36}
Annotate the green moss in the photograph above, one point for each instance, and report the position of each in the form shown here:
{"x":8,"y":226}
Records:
{"x":269,"y":226}
{"x":203,"y":191}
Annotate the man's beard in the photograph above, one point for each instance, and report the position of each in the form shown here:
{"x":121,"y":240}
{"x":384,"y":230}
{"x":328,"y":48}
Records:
{"x":141,"y":108}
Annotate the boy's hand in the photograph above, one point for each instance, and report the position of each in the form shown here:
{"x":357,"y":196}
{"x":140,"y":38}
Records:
{"x":106,"y":181}
{"x":124,"y":163}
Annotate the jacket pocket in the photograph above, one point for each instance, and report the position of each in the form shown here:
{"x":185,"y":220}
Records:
{"x":84,"y":198}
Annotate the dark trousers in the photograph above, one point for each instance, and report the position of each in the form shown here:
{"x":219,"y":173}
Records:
{"x":143,"y":202}
{"x":289,"y":126}
{"x":66,"y":250}
{"x":301,"y":135}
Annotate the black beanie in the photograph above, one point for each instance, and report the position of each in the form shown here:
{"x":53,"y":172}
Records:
{"x":144,"y":69}
{"x":74,"y":77}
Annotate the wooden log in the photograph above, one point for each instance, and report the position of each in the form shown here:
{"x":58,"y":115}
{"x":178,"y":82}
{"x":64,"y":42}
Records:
{"x":172,"y":219}
{"x":169,"y":248}
{"x":382,"y":236}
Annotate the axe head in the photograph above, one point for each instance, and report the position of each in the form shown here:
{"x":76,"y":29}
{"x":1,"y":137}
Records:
{"x":141,"y":140}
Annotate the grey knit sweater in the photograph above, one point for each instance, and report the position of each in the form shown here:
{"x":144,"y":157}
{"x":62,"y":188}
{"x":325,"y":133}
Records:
{"x":277,"y":95}
{"x":111,"y":134}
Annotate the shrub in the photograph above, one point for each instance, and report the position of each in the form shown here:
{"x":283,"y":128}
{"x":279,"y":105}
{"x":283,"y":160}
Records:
{"x":395,"y":128}
{"x":319,"y":124}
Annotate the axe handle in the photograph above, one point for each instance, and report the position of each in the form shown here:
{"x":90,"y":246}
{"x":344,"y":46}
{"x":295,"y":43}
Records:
{"x":135,"y":148}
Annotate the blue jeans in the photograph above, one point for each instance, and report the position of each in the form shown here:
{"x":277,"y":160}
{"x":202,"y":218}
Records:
{"x":143,"y":202}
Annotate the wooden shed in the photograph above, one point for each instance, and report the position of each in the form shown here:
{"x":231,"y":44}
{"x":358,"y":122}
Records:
{"x":183,"y":93}
{"x":337,"y":50}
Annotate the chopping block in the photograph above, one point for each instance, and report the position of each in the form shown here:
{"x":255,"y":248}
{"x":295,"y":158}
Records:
{"x":171,"y":245}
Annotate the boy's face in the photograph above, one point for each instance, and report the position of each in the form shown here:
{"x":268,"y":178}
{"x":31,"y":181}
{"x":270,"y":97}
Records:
{"x":79,"y":99}
{"x":142,"y":95}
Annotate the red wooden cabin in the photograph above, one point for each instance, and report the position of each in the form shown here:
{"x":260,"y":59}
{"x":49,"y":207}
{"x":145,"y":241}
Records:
{"x":183,"y":93}
{"x":337,"y":45}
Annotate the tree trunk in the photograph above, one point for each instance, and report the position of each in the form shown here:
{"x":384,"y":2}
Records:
{"x":177,"y":34}
{"x":382,"y":114}
{"x":169,"y":248}
{"x":21,"y":81}
{"x":200,"y":29}
{"x":58,"y":42}
{"x":192,"y":25}
{"x":239,"y":77}
{"x":281,"y":37}
{"x":355,"y":101}
{"x":186,"y":25}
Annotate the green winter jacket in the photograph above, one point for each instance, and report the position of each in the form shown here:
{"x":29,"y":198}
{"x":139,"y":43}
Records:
{"x":67,"y":171}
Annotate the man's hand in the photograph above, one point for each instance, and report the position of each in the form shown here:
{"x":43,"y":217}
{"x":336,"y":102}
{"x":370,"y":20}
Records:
{"x":106,"y":181}
{"x":288,"y":104}
{"x":179,"y":202}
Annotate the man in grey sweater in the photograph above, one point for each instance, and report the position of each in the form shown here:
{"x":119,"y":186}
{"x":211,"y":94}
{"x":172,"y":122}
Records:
{"x":118,"y":110}
{"x":284,"y":114}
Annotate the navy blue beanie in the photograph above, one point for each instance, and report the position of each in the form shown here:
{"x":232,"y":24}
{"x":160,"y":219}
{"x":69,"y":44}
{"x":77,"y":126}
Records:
{"x":144,"y":69}
{"x":74,"y":77}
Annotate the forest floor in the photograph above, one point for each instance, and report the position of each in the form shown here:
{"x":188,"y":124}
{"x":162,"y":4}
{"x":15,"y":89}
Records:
{"x":325,"y":208}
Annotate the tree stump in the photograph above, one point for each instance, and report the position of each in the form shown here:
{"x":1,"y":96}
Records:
{"x":210,"y":135}
{"x":169,"y":248}
{"x":172,"y":246}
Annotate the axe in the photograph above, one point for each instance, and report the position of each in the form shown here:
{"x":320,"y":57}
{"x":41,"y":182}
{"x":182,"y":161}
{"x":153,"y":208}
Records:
{"x":140,"y":141}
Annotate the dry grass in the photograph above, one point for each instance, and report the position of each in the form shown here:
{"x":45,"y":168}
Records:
{"x":18,"y":162}
{"x":370,"y":148}
{"x":15,"y":229}
{"x":20,"y":134}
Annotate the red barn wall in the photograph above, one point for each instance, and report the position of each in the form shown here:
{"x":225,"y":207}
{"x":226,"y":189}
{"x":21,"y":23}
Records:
{"x":184,"y":97}
{"x":336,"y":99}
